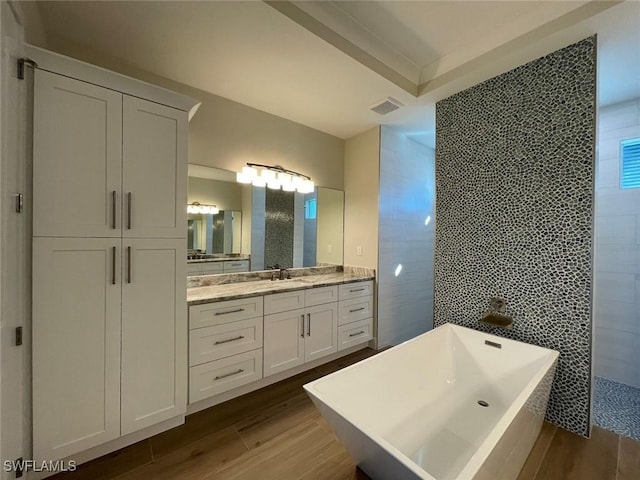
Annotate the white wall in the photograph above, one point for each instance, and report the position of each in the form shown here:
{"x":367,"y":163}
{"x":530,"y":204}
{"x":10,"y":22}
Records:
{"x":407,"y":199}
{"x":330,"y":227}
{"x":224,"y":195}
{"x":617,"y":251}
{"x":361,"y":180}
{"x":226,"y":134}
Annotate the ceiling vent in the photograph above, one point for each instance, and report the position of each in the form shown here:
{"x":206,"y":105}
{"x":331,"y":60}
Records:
{"x":385,"y":106}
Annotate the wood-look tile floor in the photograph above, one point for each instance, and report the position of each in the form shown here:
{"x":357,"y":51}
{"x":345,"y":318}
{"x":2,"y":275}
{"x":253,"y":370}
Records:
{"x":277,"y":434}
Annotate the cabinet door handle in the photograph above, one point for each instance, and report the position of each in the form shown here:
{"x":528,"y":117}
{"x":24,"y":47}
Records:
{"x":129,"y":211}
{"x":113,"y":265}
{"x":356,"y":334}
{"x":308,"y":324}
{"x":239,"y":337}
{"x":302,"y":325}
{"x":356,"y":309}
{"x":129,"y":264}
{"x":113,"y":210}
{"x":229,"y":311}
{"x":220,"y":377}
{"x":357,"y":290}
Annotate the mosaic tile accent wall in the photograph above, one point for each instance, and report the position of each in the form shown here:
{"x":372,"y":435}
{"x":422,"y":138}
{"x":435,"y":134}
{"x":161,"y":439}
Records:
{"x":514,"y":208}
{"x":278,"y":228}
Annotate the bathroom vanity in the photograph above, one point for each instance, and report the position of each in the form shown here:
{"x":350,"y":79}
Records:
{"x":244,"y":336}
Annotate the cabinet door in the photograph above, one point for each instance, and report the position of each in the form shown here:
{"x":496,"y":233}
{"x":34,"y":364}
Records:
{"x":283,"y":341}
{"x":76,"y":345}
{"x":321,"y":336}
{"x":154,"y":170}
{"x":77,"y":158}
{"x":154,"y":332}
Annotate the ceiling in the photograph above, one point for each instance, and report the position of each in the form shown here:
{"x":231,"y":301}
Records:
{"x":325,"y":63}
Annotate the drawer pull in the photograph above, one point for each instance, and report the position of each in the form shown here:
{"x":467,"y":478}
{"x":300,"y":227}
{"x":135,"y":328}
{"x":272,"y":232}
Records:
{"x":229,"y":340}
{"x":356,"y":309}
{"x":230,"y":311}
{"x":220,"y":377}
{"x":356,"y":334}
{"x":235,"y":264}
{"x":357,"y":290}
{"x":309,"y":327}
{"x":302,"y":327}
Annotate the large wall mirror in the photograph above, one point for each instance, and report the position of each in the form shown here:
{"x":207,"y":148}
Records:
{"x":269,"y":228}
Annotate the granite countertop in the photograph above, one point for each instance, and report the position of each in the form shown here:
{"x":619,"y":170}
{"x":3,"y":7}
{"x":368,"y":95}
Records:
{"x":232,"y":291}
{"x":216,"y":259}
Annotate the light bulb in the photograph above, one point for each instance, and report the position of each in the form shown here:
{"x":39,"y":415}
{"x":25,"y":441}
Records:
{"x":241,"y":177}
{"x":250,"y":172}
{"x":259,"y":182}
{"x":273,"y":184}
{"x":268,"y":175}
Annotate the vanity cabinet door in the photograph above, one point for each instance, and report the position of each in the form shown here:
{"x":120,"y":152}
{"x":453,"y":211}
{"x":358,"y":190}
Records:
{"x":284,"y":341}
{"x":77,"y":158}
{"x":321,"y":335}
{"x":154,"y":153}
{"x":76,"y":344}
{"x":154,"y":332}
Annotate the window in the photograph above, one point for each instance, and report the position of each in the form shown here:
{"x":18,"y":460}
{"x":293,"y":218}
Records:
{"x":310,"y":209}
{"x":630,"y":164}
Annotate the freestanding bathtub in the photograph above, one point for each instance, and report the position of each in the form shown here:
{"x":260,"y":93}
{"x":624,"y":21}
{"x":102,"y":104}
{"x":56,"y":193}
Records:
{"x":453,"y":403}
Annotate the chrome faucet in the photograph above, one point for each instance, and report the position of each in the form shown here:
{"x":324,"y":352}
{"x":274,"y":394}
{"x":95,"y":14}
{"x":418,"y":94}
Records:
{"x":284,"y":273}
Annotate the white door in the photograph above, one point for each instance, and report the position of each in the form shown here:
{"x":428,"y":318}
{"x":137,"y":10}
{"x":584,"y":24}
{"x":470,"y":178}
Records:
{"x":155,"y":170}
{"x":321,"y":336}
{"x":283,"y":341}
{"x":76,"y":344}
{"x":77,"y":158}
{"x":154,"y":332}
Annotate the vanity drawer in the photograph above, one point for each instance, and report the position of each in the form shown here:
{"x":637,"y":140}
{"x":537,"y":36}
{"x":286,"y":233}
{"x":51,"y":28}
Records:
{"x":219,"y":341}
{"x":283,"y":302}
{"x":216,"y":313}
{"x":355,"y":309}
{"x":216,"y":377}
{"x":320,"y":295}
{"x":236,"y":266}
{"x":355,"y":333}
{"x":356,"y":289}
{"x":211,"y":268}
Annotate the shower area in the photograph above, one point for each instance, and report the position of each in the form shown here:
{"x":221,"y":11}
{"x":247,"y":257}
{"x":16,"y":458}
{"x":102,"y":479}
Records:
{"x":616,"y":401}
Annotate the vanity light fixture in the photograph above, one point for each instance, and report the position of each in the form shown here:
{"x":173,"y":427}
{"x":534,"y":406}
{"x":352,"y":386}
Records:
{"x":197,"y":207}
{"x":275,"y":177}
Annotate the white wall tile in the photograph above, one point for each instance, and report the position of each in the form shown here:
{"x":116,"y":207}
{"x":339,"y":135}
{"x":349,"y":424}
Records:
{"x":407,"y":197}
{"x":617,"y":315}
{"x":618,"y":202}
{"x":617,"y":258}
{"x":618,"y":116}
{"x":615,"y":229}
{"x":615,"y":286}
{"x":617,"y":252}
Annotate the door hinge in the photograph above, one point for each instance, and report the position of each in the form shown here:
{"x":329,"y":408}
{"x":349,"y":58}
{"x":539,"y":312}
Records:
{"x":18,"y":336}
{"x":21,"y":64}
{"x":19,"y":202}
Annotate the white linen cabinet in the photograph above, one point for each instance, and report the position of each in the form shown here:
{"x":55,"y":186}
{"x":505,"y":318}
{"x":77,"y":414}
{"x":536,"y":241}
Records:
{"x":109,"y":250}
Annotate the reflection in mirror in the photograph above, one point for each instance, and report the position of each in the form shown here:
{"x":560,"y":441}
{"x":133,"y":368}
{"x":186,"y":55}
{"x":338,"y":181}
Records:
{"x":272,"y":227}
{"x":219,"y":233}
